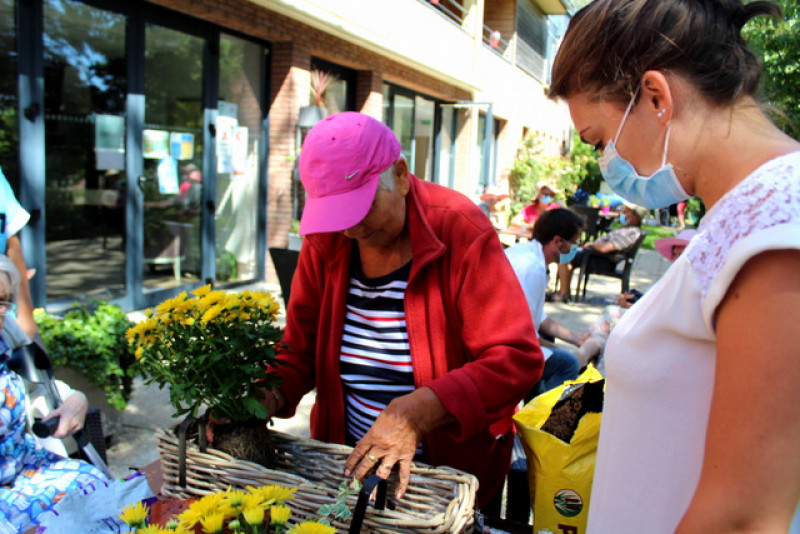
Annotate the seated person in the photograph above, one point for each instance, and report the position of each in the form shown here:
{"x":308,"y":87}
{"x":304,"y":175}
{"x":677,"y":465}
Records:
{"x":32,"y":479}
{"x":554,"y":238}
{"x":616,"y":240}
{"x":542,"y":202}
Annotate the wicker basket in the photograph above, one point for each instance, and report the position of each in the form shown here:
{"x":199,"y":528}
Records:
{"x":437,"y":500}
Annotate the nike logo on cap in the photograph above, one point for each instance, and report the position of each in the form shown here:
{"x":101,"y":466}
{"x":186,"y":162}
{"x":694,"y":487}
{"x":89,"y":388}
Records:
{"x":349,"y":176}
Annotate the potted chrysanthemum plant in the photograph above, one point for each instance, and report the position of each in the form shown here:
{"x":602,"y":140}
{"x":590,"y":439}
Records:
{"x":211,"y":348}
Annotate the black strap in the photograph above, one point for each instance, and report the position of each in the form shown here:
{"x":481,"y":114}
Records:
{"x":202,"y":441}
{"x":183,"y":429}
{"x":363,"y":501}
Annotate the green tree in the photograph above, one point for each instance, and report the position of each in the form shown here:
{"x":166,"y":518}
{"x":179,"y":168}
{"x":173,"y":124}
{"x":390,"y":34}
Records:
{"x":583,"y":174}
{"x":576,"y":171}
{"x":532,"y":165}
{"x":778,"y":43}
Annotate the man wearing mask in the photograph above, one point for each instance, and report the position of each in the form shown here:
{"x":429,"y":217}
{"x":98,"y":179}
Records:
{"x":619,"y":239}
{"x":554,"y":237}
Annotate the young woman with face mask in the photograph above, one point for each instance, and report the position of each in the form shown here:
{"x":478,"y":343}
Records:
{"x":701,"y":423}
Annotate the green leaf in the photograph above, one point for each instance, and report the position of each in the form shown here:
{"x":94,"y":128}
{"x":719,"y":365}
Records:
{"x":256,"y":408}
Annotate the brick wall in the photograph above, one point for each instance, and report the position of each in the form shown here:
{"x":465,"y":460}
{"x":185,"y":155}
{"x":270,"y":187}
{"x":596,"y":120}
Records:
{"x":293,"y":46}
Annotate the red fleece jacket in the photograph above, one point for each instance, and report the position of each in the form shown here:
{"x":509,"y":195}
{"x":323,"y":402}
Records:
{"x":469,"y":342}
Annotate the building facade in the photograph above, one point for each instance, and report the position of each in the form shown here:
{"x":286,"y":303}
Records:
{"x":155,"y":143}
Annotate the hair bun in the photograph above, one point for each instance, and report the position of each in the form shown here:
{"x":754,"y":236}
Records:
{"x":740,"y":13}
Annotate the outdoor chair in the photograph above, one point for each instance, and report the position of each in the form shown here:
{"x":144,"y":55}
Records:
{"x":285,"y":261}
{"x":591,"y":217}
{"x":600,"y":264}
{"x":169,"y":246}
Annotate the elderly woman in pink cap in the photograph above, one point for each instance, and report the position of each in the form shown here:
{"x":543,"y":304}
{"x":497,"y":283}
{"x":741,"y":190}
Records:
{"x":403,"y":315}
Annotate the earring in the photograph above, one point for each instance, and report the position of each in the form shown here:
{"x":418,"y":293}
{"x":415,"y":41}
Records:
{"x":661,"y":113}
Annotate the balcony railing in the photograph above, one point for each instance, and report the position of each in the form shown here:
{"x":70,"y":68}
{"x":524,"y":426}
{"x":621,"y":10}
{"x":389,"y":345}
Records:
{"x":521,"y":54}
{"x":450,"y":9}
{"x":494,"y":40}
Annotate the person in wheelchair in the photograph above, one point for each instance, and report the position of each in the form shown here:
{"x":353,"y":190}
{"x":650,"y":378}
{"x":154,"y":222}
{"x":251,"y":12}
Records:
{"x":616,"y":240}
{"x":32,"y":479}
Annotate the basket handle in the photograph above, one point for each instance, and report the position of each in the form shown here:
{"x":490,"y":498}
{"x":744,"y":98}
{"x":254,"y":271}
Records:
{"x":363,"y":501}
{"x":183,"y":429}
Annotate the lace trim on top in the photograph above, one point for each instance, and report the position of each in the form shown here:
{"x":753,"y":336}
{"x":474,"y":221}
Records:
{"x":770,"y":196}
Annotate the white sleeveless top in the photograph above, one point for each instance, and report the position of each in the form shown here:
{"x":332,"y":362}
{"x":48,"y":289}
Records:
{"x":660,"y":358}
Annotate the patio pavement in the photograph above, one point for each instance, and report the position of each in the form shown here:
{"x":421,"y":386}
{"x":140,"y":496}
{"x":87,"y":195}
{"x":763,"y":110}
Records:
{"x":135,"y":445}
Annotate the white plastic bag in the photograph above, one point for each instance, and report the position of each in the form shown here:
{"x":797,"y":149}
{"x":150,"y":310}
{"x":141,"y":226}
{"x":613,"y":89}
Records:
{"x":96,"y":511}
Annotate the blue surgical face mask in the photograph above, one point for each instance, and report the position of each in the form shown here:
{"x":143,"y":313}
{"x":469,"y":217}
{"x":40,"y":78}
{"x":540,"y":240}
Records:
{"x":622,"y":219}
{"x":566,"y":258}
{"x":546,"y":199}
{"x":659,"y":190}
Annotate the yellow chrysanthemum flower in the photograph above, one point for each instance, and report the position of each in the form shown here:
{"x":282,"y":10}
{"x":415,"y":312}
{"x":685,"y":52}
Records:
{"x":170,"y":304}
{"x":211,"y":299}
{"x":251,"y":500}
{"x":279,"y":515}
{"x":152,"y":529}
{"x":134,"y":514}
{"x":189,"y":518}
{"x":312,"y":527}
{"x":200,"y":509}
{"x":211,"y":314}
{"x":234,"y":497}
{"x":202,"y":291}
{"x":253,"y":516}
{"x":274,"y":494}
{"x":212,"y":524}
{"x":139,"y":352}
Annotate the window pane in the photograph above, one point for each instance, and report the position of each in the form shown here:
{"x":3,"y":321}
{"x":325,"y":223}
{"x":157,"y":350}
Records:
{"x":445,"y":146}
{"x":403,"y":126}
{"x":387,"y":103}
{"x":173,"y":145}
{"x":85,"y":80}
{"x":240,"y":95}
{"x":423,"y":138}
{"x":9,"y":133}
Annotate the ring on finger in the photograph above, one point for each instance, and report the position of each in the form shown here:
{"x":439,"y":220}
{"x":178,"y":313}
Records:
{"x":371,"y":458}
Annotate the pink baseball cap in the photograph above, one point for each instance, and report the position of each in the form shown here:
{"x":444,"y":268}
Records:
{"x":340,"y":165}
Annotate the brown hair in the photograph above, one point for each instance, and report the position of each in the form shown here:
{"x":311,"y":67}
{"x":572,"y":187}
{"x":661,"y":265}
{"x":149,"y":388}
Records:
{"x":557,"y":222}
{"x":610,"y":44}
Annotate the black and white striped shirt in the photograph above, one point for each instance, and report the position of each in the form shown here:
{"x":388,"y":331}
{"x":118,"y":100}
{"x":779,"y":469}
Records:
{"x":376,"y":360}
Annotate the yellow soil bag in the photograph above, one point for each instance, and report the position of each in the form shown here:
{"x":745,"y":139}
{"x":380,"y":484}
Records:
{"x":560,"y":470}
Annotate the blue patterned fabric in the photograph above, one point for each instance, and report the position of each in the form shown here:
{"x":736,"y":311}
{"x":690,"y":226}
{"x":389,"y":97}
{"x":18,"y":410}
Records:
{"x":31,"y":478}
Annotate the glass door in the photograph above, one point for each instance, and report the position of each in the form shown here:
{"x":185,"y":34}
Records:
{"x":239,"y":153}
{"x":403,"y":125}
{"x":84,"y":112}
{"x":172,"y":180}
{"x":150,"y":144}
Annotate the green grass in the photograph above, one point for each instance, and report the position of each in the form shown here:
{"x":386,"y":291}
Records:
{"x":655,"y":232}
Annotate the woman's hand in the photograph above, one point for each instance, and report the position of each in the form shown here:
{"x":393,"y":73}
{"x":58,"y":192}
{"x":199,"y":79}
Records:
{"x":625,"y":300}
{"x":72,"y":414}
{"x":394,"y":437}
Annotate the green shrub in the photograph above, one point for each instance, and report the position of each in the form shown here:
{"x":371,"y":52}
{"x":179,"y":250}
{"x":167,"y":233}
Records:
{"x":90,"y":339}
